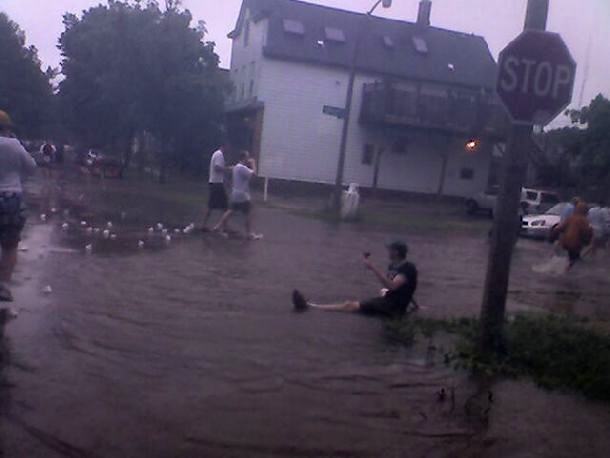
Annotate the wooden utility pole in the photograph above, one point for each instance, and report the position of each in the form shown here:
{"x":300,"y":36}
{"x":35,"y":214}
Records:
{"x":506,"y":222}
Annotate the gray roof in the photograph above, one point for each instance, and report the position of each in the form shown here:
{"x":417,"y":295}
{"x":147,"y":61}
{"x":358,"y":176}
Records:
{"x":453,"y":57}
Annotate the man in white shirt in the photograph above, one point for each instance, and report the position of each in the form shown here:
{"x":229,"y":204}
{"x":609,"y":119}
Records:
{"x":15,"y":163}
{"x":240,"y":196}
{"x":218,"y":195}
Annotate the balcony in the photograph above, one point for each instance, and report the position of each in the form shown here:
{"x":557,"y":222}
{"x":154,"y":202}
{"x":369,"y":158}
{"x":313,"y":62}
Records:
{"x":456,"y":111}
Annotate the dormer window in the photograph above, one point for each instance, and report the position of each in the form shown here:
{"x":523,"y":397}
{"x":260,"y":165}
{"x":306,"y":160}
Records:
{"x":420,"y":45}
{"x":294,"y":27}
{"x":334,"y":34}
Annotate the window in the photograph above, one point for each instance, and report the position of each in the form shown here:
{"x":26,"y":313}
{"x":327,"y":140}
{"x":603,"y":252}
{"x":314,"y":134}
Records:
{"x":246,"y":33}
{"x":467,"y":173}
{"x":420,"y":45}
{"x":294,"y":27}
{"x":368,"y":155}
{"x":252,"y":68}
{"x":400,"y":145}
{"x":243,"y":91}
{"x":531,"y":195}
{"x":251,"y":88}
{"x":333,"y":34}
{"x":388,"y":42}
{"x":547,"y":198}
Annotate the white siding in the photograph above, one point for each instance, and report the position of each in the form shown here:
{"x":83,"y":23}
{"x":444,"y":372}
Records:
{"x":245,"y":61}
{"x":301,"y":143}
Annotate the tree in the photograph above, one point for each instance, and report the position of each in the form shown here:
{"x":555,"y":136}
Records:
{"x":25,"y":90}
{"x":131,"y":68}
{"x":587,"y":143}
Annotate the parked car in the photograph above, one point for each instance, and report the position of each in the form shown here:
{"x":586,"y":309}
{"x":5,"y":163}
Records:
{"x":483,"y":202}
{"x":538,"y":201}
{"x":532,"y":201}
{"x":540,"y":226}
{"x":100,"y":165}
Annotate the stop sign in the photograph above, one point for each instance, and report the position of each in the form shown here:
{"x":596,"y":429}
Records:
{"x":536,"y":77}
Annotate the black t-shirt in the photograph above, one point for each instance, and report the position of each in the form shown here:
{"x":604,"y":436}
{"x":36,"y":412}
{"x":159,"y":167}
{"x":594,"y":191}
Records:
{"x":402,"y":296}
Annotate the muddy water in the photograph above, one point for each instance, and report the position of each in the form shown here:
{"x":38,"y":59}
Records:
{"x":190,"y":350}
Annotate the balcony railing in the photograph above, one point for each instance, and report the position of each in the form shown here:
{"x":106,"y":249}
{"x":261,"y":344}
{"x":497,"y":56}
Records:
{"x":455,"y":111}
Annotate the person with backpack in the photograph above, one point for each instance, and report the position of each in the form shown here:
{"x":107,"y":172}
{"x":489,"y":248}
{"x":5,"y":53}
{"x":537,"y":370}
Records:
{"x":15,"y":163}
{"x":399,"y":284}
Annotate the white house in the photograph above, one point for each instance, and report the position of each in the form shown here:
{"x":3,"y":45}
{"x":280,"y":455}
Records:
{"x":421,"y":95}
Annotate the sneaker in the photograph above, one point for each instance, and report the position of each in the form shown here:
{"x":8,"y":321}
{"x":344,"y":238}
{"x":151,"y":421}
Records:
{"x":5,"y":294}
{"x":299,"y":301}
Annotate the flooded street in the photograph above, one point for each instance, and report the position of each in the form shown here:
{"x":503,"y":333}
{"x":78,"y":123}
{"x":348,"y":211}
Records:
{"x":190,"y":348}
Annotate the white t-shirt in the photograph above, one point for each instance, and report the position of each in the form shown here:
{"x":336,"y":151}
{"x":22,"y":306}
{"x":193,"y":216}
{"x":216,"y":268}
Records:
{"x":218,"y":160}
{"x":15,"y":163}
{"x":241,"y":183}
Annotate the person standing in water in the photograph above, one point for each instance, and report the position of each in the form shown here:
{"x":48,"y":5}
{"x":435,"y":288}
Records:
{"x":241,"y":201}
{"x":217,"y":200}
{"x":598,"y":219}
{"x":575,"y":233}
{"x":15,"y":164}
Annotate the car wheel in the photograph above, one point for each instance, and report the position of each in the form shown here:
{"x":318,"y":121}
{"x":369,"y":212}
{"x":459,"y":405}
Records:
{"x":472,"y":207}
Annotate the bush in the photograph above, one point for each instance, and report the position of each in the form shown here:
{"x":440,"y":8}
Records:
{"x":556,"y":351}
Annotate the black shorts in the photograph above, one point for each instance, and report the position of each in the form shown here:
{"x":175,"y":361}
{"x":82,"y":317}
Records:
{"x":243,"y":207}
{"x":12,"y":219}
{"x":382,"y":306}
{"x":218,"y":197}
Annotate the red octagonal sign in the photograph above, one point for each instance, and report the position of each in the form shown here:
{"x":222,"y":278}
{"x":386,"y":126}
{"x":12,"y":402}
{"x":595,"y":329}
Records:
{"x":536,"y":77}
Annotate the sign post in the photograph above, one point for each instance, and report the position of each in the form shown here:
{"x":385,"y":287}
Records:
{"x":535,"y":83}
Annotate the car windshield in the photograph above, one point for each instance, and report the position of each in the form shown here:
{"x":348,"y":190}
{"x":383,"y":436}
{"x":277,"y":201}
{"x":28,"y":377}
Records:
{"x":557,"y":209}
{"x":549,"y":198}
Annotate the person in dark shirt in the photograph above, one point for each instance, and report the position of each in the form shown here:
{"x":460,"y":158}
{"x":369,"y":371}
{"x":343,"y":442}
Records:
{"x":399,"y":285}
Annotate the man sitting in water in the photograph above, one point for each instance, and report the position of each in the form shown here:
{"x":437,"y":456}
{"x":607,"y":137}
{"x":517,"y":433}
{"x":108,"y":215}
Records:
{"x":399,"y":285}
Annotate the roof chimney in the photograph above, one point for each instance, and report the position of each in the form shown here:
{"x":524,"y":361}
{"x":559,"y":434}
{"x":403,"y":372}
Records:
{"x":425,"y":10}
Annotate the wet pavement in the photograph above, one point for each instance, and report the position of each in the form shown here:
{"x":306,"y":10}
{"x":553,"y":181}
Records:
{"x":190,"y":348}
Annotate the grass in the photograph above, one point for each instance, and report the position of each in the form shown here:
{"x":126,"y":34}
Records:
{"x":404,"y":218}
{"x":555,"y":351}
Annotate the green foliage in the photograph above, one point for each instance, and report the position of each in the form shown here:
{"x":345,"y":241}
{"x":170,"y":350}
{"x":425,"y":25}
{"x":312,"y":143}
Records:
{"x":589,"y":143}
{"x":556,"y":351}
{"x":25,"y":90}
{"x":595,"y":140}
{"x":132,"y":68}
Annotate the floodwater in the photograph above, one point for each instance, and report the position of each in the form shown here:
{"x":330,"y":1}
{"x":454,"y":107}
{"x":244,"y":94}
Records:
{"x":190,"y":349}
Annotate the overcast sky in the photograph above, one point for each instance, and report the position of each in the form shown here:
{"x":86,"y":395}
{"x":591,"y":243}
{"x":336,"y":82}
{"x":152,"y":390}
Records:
{"x":584,"y":24}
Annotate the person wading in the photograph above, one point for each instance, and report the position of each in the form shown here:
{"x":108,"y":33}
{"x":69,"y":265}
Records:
{"x":218,"y":195}
{"x":399,"y":285}
{"x":15,"y":163}
{"x":241,"y":200}
{"x":575,"y":233}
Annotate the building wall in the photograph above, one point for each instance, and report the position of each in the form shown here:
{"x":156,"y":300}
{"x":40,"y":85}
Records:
{"x":299,"y":142}
{"x":246,"y":59}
